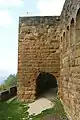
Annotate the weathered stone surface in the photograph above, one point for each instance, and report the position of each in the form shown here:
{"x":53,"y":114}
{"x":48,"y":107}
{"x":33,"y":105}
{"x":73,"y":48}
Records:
{"x":7,"y":94}
{"x":38,"y":52}
{"x":52,"y":44}
{"x":70,"y":59}
{"x":13,"y":91}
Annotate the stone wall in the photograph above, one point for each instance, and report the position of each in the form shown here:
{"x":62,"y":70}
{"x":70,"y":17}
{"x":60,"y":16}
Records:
{"x":7,"y":94}
{"x":38,"y":52}
{"x":52,"y":44}
{"x":70,"y":59}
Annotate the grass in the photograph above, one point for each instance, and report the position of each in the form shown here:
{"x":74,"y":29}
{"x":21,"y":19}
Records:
{"x":13,"y":109}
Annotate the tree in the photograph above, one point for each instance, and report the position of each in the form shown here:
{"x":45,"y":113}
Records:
{"x":11,"y":80}
{"x":2,"y":87}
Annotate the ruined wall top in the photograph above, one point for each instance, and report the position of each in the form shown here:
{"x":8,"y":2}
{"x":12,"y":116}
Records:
{"x":37,"y":20}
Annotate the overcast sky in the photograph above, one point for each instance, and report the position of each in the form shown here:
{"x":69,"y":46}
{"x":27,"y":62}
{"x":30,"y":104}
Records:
{"x":10,"y":10}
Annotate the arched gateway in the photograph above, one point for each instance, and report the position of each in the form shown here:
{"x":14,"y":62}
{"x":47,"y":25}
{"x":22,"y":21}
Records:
{"x":38,"y":55}
{"x":44,"y":82}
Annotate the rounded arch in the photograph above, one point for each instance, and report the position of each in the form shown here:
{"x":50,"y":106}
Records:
{"x":64,"y":34}
{"x":61,"y":44}
{"x":44,"y":82}
{"x":64,"y":41}
{"x":78,"y":26}
{"x":67,"y":28}
{"x":72,"y":32}
{"x":61,"y":39}
{"x":67,"y":36}
{"x":72,"y":21}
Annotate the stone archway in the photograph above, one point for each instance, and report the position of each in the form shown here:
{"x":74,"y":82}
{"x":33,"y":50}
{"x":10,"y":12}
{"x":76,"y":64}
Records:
{"x":64,"y":41}
{"x":78,"y":26}
{"x":44,"y":82}
{"x":67,"y":37}
{"x":72,"y":32}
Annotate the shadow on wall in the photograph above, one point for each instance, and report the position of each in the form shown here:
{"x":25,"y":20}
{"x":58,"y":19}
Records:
{"x":44,"y":82}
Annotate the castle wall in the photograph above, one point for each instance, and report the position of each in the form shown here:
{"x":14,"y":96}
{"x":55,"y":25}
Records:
{"x":38,"y":51}
{"x":70,"y":59}
{"x":52,"y":44}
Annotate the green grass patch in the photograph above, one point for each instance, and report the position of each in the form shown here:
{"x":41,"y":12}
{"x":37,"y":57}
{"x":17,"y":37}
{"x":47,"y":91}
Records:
{"x":13,"y":109}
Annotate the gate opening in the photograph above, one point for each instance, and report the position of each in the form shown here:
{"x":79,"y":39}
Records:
{"x":44,"y":82}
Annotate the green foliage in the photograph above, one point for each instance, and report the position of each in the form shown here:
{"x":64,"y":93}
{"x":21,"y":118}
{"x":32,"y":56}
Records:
{"x":2,"y":87}
{"x":13,"y":110}
{"x":9,"y":82}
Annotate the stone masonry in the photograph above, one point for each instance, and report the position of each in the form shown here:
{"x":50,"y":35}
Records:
{"x":70,"y":58}
{"x":38,"y":52}
{"x":52,"y":44}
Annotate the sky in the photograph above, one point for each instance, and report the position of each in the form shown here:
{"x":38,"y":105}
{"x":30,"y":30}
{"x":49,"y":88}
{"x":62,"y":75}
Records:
{"x":10,"y":10}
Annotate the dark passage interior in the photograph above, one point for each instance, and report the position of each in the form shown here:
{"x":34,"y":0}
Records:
{"x":44,"y":82}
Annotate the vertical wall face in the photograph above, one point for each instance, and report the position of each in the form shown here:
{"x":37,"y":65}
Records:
{"x":38,"y":52}
{"x":39,"y":41}
{"x":70,"y":59}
